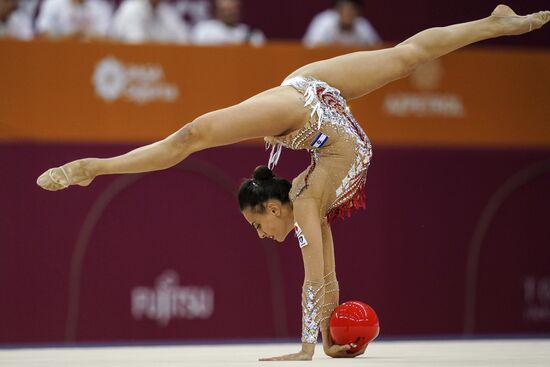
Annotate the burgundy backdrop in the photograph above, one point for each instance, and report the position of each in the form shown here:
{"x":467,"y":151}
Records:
{"x":167,"y":256}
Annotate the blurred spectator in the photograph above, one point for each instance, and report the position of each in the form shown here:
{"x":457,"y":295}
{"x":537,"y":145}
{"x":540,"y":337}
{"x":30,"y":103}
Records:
{"x":226,"y":27}
{"x":148,"y":21}
{"x":15,"y":21}
{"x":341,"y":25}
{"x":74,"y":18}
{"x":193,"y":11}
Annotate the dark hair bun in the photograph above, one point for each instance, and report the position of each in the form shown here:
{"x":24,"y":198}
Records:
{"x":262,"y":173}
{"x":254,"y":192}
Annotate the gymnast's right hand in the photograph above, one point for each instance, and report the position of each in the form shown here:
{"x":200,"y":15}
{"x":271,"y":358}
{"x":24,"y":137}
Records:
{"x":77,"y":172}
{"x":341,"y":351}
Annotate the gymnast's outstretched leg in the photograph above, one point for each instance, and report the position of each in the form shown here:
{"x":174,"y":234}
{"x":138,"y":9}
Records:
{"x":269,"y":113}
{"x":359,"y":73}
{"x":280,"y":110}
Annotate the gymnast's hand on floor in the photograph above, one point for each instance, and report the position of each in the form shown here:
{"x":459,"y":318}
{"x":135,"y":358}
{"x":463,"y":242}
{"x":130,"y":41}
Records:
{"x":78,"y":172}
{"x":300,"y":356}
{"x":306,"y":354}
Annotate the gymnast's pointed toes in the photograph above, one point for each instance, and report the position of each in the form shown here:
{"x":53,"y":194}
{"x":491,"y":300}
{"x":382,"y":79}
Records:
{"x":51,"y":180}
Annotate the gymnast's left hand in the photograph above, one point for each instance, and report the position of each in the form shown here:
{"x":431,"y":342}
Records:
{"x":300,"y":356}
{"x":306,"y":354}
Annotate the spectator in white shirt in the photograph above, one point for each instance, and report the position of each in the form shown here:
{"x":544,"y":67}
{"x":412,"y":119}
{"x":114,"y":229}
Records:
{"x":15,"y":22}
{"x":226,"y":28}
{"x":341,"y":25}
{"x":138,"y":21}
{"x":74,"y":18}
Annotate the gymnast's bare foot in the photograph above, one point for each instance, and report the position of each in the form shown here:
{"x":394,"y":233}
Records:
{"x":514,"y":24}
{"x":73,"y":173}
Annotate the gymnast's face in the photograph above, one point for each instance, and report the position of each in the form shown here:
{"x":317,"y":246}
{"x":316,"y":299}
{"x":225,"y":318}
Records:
{"x":275,"y":222}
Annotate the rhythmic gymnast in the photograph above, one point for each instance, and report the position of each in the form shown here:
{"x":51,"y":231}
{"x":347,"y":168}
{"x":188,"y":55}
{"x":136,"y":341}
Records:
{"x":308,"y":111}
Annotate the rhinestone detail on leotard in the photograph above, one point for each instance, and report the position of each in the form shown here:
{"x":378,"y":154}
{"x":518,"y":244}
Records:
{"x":328,"y":108}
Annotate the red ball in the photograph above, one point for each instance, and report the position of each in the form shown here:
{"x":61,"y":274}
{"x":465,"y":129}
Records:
{"x":354,"y":322}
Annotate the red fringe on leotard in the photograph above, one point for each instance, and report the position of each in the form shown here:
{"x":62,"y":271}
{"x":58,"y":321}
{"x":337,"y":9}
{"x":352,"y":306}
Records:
{"x":356,"y":202}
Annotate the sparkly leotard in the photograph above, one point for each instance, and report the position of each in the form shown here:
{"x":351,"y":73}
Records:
{"x":340,"y":150}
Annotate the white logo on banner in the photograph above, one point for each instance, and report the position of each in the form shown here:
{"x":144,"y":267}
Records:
{"x":169,"y":301}
{"x":426,"y":102}
{"x":536,"y":295}
{"x":139,"y":83}
{"x":421,"y":105}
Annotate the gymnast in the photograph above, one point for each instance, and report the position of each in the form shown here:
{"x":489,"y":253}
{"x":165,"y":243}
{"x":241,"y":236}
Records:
{"x":308,"y":111}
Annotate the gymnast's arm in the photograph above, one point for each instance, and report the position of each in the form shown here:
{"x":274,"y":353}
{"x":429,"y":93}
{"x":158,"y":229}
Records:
{"x":306,"y":215}
{"x":331,"y":298}
{"x":332,"y":291}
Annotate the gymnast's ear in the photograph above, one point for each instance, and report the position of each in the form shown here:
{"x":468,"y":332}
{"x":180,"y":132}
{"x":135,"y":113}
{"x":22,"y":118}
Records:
{"x":273,"y":207}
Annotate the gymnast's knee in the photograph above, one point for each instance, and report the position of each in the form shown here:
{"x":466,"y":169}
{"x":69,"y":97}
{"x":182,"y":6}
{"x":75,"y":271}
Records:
{"x":189,"y":138}
{"x":410,"y":58}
